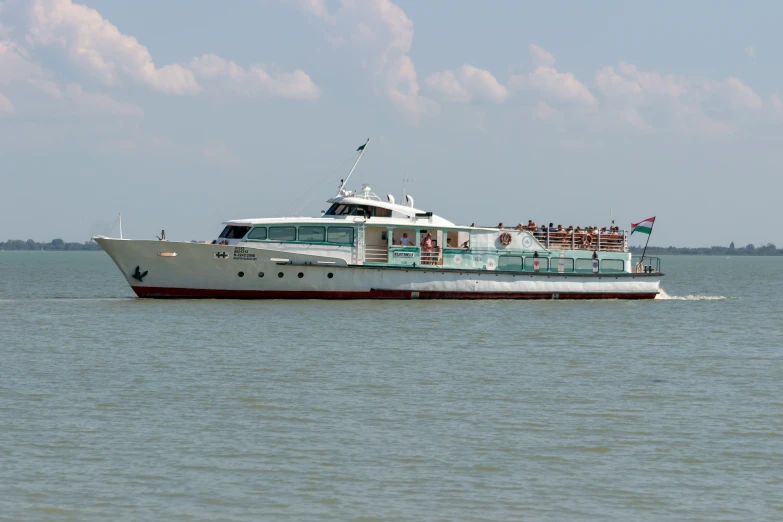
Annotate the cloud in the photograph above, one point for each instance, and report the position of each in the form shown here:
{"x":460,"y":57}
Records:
{"x":97,"y":46}
{"x":6,"y":107}
{"x":382,"y":26}
{"x":742,"y":95}
{"x":464,"y":83}
{"x":632,"y":117}
{"x":613,"y":84}
{"x":559,"y":86}
{"x":540,"y":56}
{"x":316,"y":8}
{"x":551,"y":83}
{"x":16,"y":64}
{"x":655,"y":83}
{"x":381,"y":35}
{"x":686,"y":102}
{"x":447,"y":84}
{"x":544,"y":111}
{"x":295,"y":85}
{"x":18,"y":69}
{"x":750,"y":50}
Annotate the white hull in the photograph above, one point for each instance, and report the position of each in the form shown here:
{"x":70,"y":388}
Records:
{"x":196,"y":272}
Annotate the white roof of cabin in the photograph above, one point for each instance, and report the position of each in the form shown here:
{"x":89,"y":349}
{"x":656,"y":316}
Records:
{"x":410,"y":218}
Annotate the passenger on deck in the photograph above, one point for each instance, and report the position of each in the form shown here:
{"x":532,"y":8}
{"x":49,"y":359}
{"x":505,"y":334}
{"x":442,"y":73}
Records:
{"x":520,"y":226}
{"x":531,"y":225}
{"x":578,"y":230}
{"x":448,"y":242}
{"x":404,"y":241}
{"x":552,"y":228}
{"x":426,"y":248}
{"x":465,"y":245}
{"x":472,"y":225}
{"x":500,"y":225}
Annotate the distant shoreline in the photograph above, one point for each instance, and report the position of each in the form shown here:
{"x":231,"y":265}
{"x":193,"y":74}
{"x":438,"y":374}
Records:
{"x":748,"y":250}
{"x":55,"y":245}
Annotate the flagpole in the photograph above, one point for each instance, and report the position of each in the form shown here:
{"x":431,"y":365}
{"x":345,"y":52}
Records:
{"x":361,"y":153}
{"x":648,"y":241}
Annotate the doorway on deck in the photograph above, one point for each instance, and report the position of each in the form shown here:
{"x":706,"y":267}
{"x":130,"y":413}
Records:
{"x":376,"y":244}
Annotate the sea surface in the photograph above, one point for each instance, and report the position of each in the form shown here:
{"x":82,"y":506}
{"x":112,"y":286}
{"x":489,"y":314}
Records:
{"x":115,"y":408}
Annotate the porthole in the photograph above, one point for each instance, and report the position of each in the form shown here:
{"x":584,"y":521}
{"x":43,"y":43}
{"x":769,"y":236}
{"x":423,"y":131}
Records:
{"x":241,"y":274}
{"x":330,"y":275}
{"x":300,"y":275}
{"x":260,"y":274}
{"x":280,"y":274}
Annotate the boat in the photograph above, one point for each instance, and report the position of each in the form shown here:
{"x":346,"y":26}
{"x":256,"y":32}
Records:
{"x":368,"y":247}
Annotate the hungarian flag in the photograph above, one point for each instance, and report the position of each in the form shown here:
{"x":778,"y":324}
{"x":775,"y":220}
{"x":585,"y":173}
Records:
{"x":644,"y":226}
{"x":361,"y":147}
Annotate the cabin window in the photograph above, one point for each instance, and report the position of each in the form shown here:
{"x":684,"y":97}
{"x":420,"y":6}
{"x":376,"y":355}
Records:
{"x":312,"y":234}
{"x":362,"y":210}
{"x":543,"y":264}
{"x":612,"y":265}
{"x":257,"y":234}
{"x":554,"y":264}
{"x":339,"y":209}
{"x":382,"y":212}
{"x":282,"y":233}
{"x":342,"y":235}
{"x":510,"y":263}
{"x":234,"y":232}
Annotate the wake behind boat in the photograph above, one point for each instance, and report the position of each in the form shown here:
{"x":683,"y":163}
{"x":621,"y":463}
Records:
{"x":364,"y":247}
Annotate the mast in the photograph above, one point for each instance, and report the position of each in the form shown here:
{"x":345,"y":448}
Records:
{"x":361,"y":153}
{"x":641,"y":261}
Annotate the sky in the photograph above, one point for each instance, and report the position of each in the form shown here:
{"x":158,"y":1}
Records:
{"x":186,"y":113}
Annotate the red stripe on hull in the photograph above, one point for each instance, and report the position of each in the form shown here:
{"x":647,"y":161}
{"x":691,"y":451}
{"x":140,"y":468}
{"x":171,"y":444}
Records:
{"x":203,"y":293}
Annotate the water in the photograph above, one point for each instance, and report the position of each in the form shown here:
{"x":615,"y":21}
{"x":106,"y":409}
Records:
{"x":113,"y":408}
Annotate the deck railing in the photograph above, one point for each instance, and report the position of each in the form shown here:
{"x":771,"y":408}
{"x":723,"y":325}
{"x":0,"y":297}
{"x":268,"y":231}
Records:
{"x":376,"y":254}
{"x":582,"y":241}
{"x":647,"y":265}
{"x":431,"y":258}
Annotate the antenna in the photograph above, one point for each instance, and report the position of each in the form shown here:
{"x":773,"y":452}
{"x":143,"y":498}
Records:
{"x":404,"y":192}
{"x":114,"y":223}
{"x":361,"y":153}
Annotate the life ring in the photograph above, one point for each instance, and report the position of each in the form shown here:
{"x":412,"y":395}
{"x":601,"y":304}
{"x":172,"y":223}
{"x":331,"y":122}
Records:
{"x":505,"y":238}
{"x":587,"y":240}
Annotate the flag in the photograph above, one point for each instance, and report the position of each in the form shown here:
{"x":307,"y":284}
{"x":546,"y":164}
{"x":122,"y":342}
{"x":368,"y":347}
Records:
{"x":644,"y":226}
{"x":361,"y":147}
